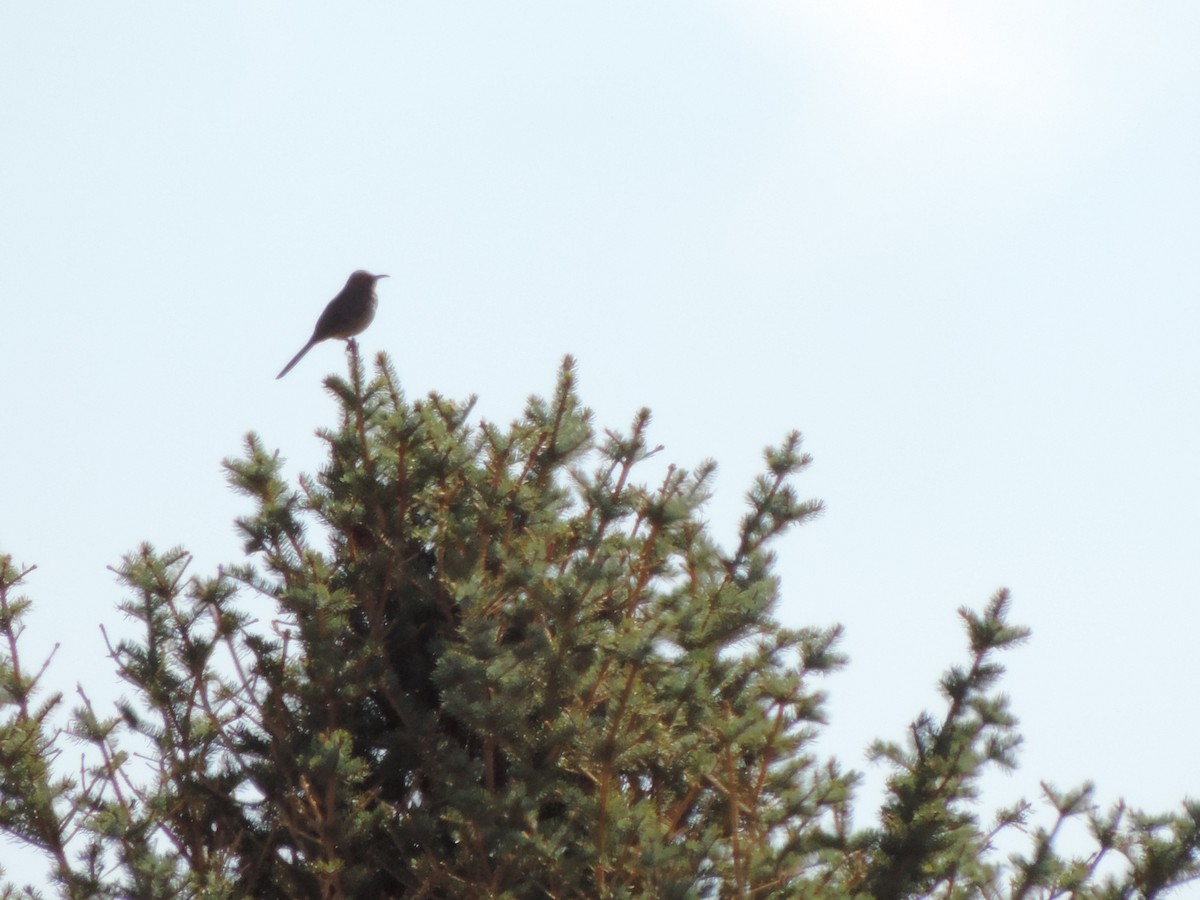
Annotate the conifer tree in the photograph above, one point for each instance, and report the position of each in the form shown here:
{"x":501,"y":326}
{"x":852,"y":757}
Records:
{"x":472,"y":661}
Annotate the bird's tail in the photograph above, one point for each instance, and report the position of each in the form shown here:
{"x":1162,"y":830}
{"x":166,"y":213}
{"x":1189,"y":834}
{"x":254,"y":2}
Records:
{"x":295,"y":359}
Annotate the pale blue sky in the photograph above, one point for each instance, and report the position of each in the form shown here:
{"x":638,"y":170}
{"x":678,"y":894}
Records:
{"x":955,"y":244}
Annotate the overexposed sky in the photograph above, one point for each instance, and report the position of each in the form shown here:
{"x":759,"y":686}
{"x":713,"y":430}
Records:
{"x":955,"y":244}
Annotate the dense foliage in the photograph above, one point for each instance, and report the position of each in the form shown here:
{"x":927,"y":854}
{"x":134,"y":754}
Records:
{"x":472,"y":661}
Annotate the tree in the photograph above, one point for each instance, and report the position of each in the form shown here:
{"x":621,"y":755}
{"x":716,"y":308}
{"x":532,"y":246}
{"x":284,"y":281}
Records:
{"x":511,"y":670}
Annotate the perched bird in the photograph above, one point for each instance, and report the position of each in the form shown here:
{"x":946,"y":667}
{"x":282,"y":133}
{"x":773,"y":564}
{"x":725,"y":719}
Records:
{"x":348,"y":314}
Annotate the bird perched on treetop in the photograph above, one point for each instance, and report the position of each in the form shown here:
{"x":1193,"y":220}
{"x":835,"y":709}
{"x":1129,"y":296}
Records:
{"x":348,"y":314}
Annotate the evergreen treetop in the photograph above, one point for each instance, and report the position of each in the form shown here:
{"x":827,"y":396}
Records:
{"x":472,"y":661}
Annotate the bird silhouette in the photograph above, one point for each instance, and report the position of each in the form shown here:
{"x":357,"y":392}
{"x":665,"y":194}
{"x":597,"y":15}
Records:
{"x":348,"y":314}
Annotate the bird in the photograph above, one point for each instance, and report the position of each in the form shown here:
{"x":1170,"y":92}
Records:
{"x":347,"y":314}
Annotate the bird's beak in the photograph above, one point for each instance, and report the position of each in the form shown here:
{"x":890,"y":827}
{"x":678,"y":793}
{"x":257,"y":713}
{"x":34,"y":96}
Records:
{"x":377,"y":277}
